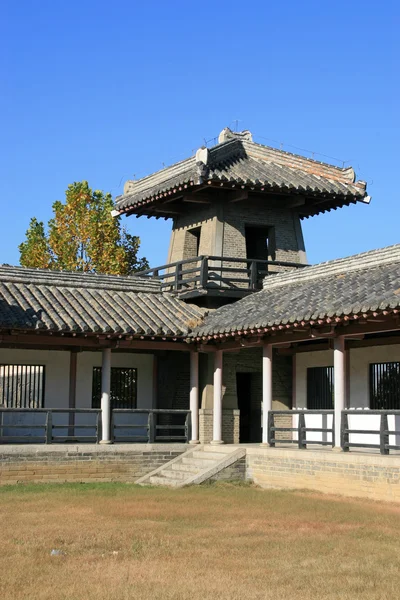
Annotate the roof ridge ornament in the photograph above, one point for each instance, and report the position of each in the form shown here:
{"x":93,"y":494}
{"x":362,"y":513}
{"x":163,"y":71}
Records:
{"x":202,"y":156}
{"x":227,"y":134}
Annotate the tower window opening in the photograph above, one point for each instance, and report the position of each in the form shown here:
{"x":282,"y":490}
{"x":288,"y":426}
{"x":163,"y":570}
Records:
{"x":259,"y":242}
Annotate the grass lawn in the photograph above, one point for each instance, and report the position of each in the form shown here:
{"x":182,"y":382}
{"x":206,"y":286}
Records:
{"x":205,"y":542}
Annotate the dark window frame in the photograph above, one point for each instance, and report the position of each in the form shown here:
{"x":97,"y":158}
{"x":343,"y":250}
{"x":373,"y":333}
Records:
{"x":384,"y":395}
{"x":268,"y":231}
{"x":320,"y":388}
{"x":31,"y":385}
{"x":117,"y":385}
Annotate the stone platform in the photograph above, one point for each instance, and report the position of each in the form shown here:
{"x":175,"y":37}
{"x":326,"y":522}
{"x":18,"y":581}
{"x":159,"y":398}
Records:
{"x":354,"y":474}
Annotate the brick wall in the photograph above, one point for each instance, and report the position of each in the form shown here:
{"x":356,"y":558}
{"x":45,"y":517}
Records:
{"x":230,"y":426}
{"x":344,"y":473}
{"x":181,"y":244}
{"x":235,"y":216}
{"x":238,"y":215}
{"x":85,"y":463}
{"x":235,"y":472}
{"x":250,"y":361}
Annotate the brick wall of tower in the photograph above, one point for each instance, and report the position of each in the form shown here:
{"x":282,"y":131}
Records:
{"x":223,"y":230}
{"x":239,"y":214}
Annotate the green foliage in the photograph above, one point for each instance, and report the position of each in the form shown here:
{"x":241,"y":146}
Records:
{"x":82,"y":236}
{"x":35,"y":251}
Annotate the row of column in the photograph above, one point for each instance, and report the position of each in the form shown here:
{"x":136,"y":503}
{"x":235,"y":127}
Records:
{"x":339,"y":392}
{"x":339,"y":362}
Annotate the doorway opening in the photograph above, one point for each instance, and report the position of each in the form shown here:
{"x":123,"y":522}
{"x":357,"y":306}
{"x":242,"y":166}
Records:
{"x":259,"y":242}
{"x":248,"y":388}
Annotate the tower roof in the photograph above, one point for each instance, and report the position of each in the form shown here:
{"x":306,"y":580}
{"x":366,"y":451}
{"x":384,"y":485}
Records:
{"x":237,"y":162}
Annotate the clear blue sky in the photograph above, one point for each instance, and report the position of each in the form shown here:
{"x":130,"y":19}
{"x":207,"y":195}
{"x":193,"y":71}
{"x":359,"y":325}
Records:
{"x":106,"y":91}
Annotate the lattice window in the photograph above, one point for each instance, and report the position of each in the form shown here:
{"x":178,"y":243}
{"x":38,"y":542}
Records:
{"x":384,"y":386}
{"x":22,"y":386}
{"x":123,"y":387}
{"x":320,"y":388}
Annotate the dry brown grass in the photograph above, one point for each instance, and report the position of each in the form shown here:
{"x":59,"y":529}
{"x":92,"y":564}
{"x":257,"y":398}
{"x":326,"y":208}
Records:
{"x":209,"y":542}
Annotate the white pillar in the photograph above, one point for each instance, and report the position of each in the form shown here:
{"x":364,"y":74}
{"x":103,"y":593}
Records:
{"x":339,"y":364}
{"x":194,"y":396}
{"x":267,"y":388}
{"x":105,"y":395}
{"x":217,"y":409}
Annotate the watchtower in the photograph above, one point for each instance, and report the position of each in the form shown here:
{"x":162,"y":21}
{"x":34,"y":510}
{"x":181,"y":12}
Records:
{"x":236,"y":212}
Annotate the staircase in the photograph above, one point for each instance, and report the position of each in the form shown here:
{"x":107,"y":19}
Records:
{"x":194,"y":466}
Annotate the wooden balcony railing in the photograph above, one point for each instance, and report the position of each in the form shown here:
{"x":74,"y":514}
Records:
{"x":50,"y":426}
{"x":216,"y":273}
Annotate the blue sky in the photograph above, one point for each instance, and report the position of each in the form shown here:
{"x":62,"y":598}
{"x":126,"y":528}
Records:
{"x":108,"y":91}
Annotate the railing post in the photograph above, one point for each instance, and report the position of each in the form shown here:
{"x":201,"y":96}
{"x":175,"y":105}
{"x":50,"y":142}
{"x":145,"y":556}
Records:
{"x":253,"y":275}
{"x":112,"y":427}
{"x":1,"y":424}
{"x":383,"y":434}
{"x":301,"y":434}
{"x":188,"y":427}
{"x":344,"y":432}
{"x":194,"y":398}
{"x":152,"y":428}
{"x":271,"y":434}
{"x":98,"y":427}
{"x":204,"y":272}
{"x":49,"y":427}
{"x":178,"y":276}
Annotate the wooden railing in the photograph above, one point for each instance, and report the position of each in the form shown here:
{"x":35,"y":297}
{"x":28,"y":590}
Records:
{"x":150,"y":425}
{"x":49,"y":426}
{"x":385,"y":438}
{"x":41,"y":425}
{"x":216,"y":272}
{"x":298,"y":435}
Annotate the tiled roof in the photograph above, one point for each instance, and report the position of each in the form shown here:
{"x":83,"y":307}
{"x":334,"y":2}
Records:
{"x":349,"y":286}
{"x":242,"y":162}
{"x":36,"y":299}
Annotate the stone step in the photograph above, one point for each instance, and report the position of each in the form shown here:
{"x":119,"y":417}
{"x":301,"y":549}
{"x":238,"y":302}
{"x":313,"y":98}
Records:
{"x":159,"y":480}
{"x":208,"y":455}
{"x":173,"y":474}
{"x":189,"y":469}
{"x":198,"y":463}
{"x":220,"y":449}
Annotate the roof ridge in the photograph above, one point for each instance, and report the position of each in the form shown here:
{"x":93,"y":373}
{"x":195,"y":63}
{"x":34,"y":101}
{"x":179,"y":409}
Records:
{"x":131,"y":186}
{"x":354,"y":262}
{"x":73,"y":279}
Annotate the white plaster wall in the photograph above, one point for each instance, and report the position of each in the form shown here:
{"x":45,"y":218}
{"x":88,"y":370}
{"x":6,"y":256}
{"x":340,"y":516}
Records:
{"x":142,"y":362}
{"x":360,"y":359}
{"x":56,"y":372}
{"x":304,"y":360}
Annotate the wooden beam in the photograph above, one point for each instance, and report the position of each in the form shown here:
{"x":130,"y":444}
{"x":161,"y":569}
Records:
{"x":93,"y":343}
{"x":304,"y":334}
{"x":297,"y":201}
{"x":238,"y":196}
{"x":197,"y":198}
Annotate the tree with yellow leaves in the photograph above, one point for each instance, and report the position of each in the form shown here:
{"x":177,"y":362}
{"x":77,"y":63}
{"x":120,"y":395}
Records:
{"x":82,"y":236}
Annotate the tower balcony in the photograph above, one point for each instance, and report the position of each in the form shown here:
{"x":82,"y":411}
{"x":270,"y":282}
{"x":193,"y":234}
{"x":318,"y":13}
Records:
{"x":216,"y":276}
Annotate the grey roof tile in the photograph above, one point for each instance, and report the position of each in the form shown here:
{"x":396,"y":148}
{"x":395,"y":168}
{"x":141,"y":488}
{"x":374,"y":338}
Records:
{"x":244,"y":162}
{"x":32,"y":299}
{"x":360,"y":283}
